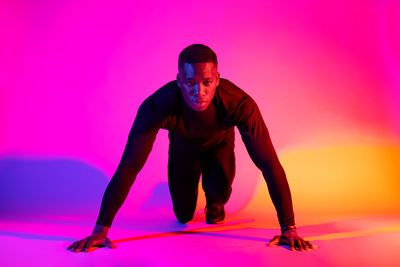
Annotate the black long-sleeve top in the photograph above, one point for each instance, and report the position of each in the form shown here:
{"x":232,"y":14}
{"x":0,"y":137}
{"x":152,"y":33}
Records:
{"x":196,"y":130}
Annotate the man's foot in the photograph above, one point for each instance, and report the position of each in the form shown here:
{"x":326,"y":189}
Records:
{"x":215,"y":214}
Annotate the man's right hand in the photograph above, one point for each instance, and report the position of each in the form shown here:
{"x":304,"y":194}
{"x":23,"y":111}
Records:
{"x":86,"y":244}
{"x":97,"y":239}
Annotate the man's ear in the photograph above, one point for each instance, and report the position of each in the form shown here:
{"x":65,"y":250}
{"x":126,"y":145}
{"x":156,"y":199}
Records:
{"x":217,"y":78}
{"x":178,"y":80}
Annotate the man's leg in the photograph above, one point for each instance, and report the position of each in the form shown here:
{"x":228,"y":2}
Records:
{"x":183,"y":180}
{"x":218,"y":169}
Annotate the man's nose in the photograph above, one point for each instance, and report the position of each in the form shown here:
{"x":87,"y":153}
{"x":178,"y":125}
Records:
{"x":198,"y":90}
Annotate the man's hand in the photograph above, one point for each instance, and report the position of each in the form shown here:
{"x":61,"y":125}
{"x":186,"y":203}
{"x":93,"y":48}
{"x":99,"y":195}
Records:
{"x":290,"y":237}
{"x":86,"y":244}
{"x":97,"y":239}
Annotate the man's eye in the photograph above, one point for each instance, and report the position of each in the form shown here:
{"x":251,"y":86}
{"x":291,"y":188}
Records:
{"x":190,"y":84}
{"x":206,"y":83}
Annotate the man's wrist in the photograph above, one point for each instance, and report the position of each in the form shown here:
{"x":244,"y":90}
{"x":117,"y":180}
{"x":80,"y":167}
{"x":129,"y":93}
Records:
{"x":285,"y":228}
{"x":101,"y":230}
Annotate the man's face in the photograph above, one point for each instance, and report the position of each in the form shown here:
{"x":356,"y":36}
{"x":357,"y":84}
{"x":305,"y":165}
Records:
{"x":198,"y":82}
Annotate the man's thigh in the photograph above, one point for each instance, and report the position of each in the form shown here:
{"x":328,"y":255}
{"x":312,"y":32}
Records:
{"x":218,"y":171}
{"x":183,"y":171}
{"x":183,"y":179}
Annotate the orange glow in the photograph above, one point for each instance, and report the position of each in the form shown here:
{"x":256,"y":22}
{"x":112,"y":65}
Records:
{"x":338,"y":181}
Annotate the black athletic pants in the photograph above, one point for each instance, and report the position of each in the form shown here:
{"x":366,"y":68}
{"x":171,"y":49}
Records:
{"x":215,"y":164}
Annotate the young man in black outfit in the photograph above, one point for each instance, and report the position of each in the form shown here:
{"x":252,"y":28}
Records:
{"x":200,"y":111}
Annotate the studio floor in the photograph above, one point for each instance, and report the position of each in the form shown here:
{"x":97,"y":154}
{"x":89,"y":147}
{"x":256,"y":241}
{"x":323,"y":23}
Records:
{"x":346,"y":203}
{"x":240,"y":241}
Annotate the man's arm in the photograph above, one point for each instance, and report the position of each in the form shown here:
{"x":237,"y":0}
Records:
{"x":137,"y":149}
{"x":135,"y":155}
{"x":258,"y":143}
{"x":152,"y":115}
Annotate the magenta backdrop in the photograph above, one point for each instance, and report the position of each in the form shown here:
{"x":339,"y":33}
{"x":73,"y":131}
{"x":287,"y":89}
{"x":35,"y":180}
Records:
{"x":73,"y":74}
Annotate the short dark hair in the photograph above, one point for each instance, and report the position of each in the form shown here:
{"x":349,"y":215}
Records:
{"x":196,"y":53}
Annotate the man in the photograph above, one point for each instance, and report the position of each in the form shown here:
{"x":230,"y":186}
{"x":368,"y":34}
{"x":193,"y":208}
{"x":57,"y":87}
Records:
{"x":200,"y":110}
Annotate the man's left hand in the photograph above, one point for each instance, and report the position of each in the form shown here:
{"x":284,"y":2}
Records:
{"x":295,"y":242}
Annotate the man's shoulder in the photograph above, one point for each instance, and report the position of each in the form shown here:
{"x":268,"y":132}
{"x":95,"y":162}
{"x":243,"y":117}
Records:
{"x":239,"y":105}
{"x":230,"y":94}
{"x":228,"y":85}
{"x":163,"y":98}
{"x":157,"y":108}
{"x":167,"y":91}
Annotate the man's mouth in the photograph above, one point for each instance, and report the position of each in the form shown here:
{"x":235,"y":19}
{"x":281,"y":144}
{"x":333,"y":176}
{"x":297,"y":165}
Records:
{"x":199,"y":101}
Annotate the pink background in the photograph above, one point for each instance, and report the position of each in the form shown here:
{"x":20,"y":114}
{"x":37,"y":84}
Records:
{"x":73,"y":74}
{"x":325,"y":74}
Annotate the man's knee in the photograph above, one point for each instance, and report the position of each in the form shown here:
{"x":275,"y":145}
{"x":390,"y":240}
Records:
{"x":184,"y":218}
{"x":184,"y":214}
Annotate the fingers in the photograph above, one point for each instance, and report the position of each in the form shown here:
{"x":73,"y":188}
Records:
{"x":75,"y":245}
{"x":86,"y":245}
{"x":109,"y":244}
{"x":298,"y":244}
{"x":309,"y":245}
{"x":301,"y":244}
{"x":71,"y":246}
{"x":294,"y":243}
{"x":306,"y":245}
{"x":82,"y":245}
{"x":89,"y":244}
{"x":291,"y":245}
{"x":274,"y":241}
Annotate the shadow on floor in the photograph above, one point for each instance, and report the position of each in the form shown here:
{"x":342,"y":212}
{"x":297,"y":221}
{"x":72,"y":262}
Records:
{"x":63,"y":187}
